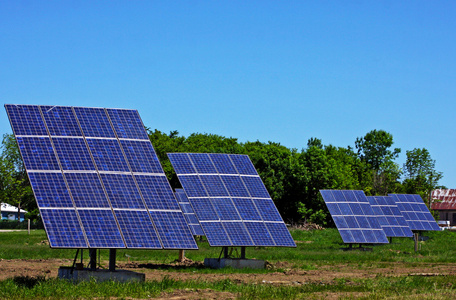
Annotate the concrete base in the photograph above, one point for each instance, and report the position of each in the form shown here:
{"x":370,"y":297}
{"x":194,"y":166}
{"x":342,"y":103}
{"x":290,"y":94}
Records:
{"x":100,"y":275}
{"x":235,"y":263}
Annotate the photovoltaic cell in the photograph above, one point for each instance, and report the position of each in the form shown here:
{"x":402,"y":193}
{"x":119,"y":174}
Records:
{"x":94,"y":122}
{"x":97,"y":168}
{"x":108,"y":155}
{"x":415,"y":212}
{"x":61,"y":121}
{"x":127,"y":124}
{"x":354,"y":217}
{"x":26,"y":120}
{"x":141,"y":156}
{"x":73,"y":154}
{"x":389,"y":216}
{"x":63,"y":228}
{"x":50,"y":190}
{"x":138,"y":229}
{"x":38,"y":153}
{"x":226,"y":193}
{"x":101,"y":229}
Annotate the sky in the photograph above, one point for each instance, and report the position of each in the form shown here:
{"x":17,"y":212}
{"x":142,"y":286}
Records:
{"x":280,"y":71}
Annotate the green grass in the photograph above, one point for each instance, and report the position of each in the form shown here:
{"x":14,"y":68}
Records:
{"x":315,"y":249}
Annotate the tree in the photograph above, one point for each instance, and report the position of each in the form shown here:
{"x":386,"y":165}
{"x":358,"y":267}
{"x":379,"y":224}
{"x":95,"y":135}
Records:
{"x":419,"y":169}
{"x":15,"y":187}
{"x":374,"y":150}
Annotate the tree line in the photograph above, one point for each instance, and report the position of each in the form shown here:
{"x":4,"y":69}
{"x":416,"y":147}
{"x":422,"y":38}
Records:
{"x":293,"y":178}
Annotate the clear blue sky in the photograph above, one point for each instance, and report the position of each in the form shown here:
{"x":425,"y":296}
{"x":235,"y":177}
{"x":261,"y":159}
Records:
{"x":281,"y":71}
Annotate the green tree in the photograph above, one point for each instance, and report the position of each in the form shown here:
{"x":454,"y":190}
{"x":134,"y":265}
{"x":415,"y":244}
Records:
{"x":15,"y":187}
{"x":374,"y":150}
{"x":421,"y":176}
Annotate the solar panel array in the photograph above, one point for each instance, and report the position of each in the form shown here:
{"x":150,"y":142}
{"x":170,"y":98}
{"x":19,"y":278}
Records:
{"x":354,"y":217}
{"x":97,"y":179}
{"x":415,"y":212}
{"x":189,"y":213}
{"x":389,"y":216}
{"x":230,"y":200}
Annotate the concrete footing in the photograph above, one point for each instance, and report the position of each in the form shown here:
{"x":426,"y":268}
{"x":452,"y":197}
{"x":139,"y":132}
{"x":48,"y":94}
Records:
{"x":100,"y":275}
{"x":235,"y":263}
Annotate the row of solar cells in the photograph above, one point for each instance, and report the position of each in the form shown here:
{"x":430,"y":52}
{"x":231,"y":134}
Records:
{"x":372,"y":219}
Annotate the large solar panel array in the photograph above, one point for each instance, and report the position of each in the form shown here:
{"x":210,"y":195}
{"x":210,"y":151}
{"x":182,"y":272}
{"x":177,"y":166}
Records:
{"x":354,"y":217}
{"x":189,"y":213}
{"x":230,"y":200}
{"x":389,"y":216}
{"x":415,"y":212}
{"x":97,"y":179}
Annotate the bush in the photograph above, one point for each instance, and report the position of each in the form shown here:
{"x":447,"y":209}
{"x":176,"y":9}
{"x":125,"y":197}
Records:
{"x":7,"y":224}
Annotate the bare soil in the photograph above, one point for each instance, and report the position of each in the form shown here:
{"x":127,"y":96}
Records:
{"x":286,"y":276}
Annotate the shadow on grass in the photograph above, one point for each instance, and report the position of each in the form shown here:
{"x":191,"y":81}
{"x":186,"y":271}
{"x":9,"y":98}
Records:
{"x":28,"y":281}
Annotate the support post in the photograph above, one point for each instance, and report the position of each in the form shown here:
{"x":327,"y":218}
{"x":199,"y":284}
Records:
{"x":415,"y":235}
{"x":181,"y":255}
{"x":391,"y":239}
{"x":112,"y":260}
{"x":243,"y":252}
{"x":225,"y":252}
{"x":93,"y":258}
{"x":28,"y":226}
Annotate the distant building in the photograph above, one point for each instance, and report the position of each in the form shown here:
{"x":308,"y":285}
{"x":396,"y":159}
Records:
{"x":444,"y":201}
{"x":9,"y":212}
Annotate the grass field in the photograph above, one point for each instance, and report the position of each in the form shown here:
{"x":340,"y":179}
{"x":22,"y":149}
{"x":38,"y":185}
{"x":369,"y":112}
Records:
{"x":392,"y":271}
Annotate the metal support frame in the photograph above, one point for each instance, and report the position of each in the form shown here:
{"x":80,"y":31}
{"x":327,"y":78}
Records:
{"x":112,"y":260}
{"x":93,"y":258}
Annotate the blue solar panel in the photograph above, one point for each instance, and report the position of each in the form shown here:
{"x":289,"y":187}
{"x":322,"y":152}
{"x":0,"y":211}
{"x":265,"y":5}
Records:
{"x":108,"y":155}
{"x":63,"y":228}
{"x":354,"y":217}
{"x":73,"y":154}
{"x":226,"y":192}
{"x":415,"y":212}
{"x":389,"y":216}
{"x":216,"y":234}
{"x":255,"y":187}
{"x":141,"y":156}
{"x":235,"y":186}
{"x":61,"y":121}
{"x":138,"y":229}
{"x":203,"y":163}
{"x":37,"y":153}
{"x":157,"y":192}
{"x":94,"y":122}
{"x":192,"y":185}
{"x":238,"y":233}
{"x":122,"y":191}
{"x":173,"y":230}
{"x":50,"y":190}
{"x":93,"y":162}
{"x":127,"y":124}
{"x":182,"y":164}
{"x":259,"y":233}
{"x":86,"y":190}
{"x":280,"y":234}
{"x":26,"y":120}
{"x":101,"y":229}
{"x":189,"y":214}
{"x":214,"y":186}
{"x":243,"y":165}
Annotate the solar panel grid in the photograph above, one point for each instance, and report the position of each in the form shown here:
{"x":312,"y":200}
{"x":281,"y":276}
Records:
{"x":222,"y":198}
{"x":138,"y":229}
{"x":189,"y":213}
{"x":63,"y":228}
{"x":141,"y":156}
{"x":37,"y":153}
{"x":389,"y":216}
{"x":80,"y":173}
{"x":415,"y":212}
{"x":354,"y":217}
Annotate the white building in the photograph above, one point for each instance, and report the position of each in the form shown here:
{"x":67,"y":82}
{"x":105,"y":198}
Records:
{"x":9,"y":212}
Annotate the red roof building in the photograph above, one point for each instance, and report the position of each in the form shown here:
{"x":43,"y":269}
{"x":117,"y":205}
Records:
{"x":444,"y":201}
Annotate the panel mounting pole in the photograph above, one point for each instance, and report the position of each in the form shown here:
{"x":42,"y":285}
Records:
{"x":112,"y":260}
{"x":416,"y":236}
{"x":93,"y":258}
{"x":181,"y":255}
{"x":243,"y":252}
